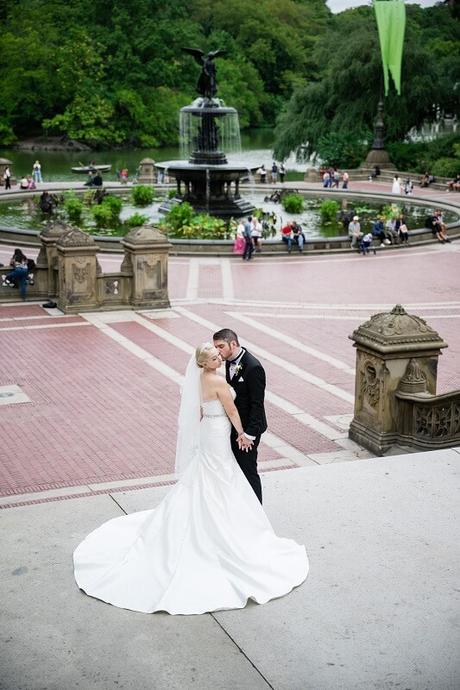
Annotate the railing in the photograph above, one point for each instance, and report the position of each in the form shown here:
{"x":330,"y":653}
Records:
{"x":429,"y":421}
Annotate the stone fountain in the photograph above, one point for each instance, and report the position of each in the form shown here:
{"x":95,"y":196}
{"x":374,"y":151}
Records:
{"x":209,"y":130}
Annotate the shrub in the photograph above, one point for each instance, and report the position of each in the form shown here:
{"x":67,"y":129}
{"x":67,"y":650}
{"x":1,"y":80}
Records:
{"x":328,"y":210}
{"x":178,"y":216}
{"x":142,"y":195}
{"x":293,"y":203}
{"x":73,"y":207}
{"x":136,"y":220}
{"x":182,"y":221}
{"x":446,"y":167}
{"x":114,"y":203}
{"x":102,"y":214}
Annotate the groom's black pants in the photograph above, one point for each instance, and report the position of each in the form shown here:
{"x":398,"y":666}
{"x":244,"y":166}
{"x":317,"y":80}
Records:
{"x":248,"y":463}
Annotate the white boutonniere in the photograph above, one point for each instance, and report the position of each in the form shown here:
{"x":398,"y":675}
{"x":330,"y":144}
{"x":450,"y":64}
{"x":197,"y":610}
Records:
{"x":237,"y":370}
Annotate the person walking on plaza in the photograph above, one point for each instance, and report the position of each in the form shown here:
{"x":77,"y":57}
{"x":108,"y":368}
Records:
{"x":345,"y":180}
{"x":37,"y":172}
{"x":262,"y":173}
{"x":249,"y":243}
{"x":282,"y":172}
{"x":7,"y":177}
{"x":396,"y":187}
{"x":274,"y":172}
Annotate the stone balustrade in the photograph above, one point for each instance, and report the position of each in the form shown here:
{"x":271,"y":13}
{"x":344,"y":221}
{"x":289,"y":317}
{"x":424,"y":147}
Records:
{"x":68,"y":271}
{"x":395,"y":389}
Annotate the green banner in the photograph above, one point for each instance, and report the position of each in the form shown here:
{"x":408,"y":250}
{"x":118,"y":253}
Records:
{"x":391,"y":23}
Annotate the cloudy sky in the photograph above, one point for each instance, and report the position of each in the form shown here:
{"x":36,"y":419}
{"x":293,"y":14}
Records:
{"x":340,"y":5}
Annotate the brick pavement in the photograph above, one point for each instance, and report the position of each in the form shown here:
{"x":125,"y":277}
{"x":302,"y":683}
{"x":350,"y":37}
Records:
{"x":100,"y":412}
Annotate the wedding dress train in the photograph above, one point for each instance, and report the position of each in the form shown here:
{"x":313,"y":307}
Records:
{"x":207,"y":546}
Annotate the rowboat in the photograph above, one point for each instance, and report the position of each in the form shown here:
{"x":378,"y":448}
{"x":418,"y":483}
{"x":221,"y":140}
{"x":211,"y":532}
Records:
{"x":90,"y":168}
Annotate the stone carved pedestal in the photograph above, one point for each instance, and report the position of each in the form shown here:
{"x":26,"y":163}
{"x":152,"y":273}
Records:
{"x":48,"y":255}
{"x":394,"y":351}
{"x":78,"y":269}
{"x":147,"y":171}
{"x":146,"y":256}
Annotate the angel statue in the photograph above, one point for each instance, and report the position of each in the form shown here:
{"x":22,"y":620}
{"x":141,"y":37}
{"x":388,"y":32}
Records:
{"x":207,"y":83}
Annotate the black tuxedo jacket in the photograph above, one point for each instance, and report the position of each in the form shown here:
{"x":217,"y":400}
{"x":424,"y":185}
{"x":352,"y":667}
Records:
{"x":249,"y":386}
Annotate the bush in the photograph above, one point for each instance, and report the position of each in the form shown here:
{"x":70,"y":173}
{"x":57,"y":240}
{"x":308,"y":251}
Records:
{"x":293,"y":203}
{"x":178,"y":216}
{"x":136,"y":220}
{"x":73,"y":207}
{"x":142,"y":195}
{"x":446,"y":167}
{"x":114,"y":203}
{"x":103,"y":216}
{"x":328,"y":210}
{"x":182,"y":221}
{"x":422,"y":156}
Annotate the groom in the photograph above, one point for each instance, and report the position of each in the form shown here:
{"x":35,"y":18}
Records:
{"x":246,"y":375}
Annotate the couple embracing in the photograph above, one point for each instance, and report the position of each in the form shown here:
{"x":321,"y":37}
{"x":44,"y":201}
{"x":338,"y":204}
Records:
{"x":209,"y":544}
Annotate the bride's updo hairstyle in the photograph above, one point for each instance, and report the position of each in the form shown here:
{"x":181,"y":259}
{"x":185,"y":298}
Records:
{"x":202,"y":354}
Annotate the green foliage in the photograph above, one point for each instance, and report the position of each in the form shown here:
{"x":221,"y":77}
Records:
{"x":7,"y":136}
{"x":183,"y":222}
{"x":107,"y":214}
{"x":103,"y":216}
{"x":421,"y":157}
{"x":343,"y":96}
{"x":446,"y":167}
{"x":112,"y":73}
{"x":136,"y":220}
{"x":73,"y":207}
{"x":390,"y":211}
{"x":340,"y":149}
{"x":114,"y":203}
{"x":178,"y":216}
{"x":293,"y":203}
{"x":142,"y":195}
{"x":328,"y":210}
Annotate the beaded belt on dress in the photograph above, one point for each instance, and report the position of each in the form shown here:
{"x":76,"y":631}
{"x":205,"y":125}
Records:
{"x":219,"y":414}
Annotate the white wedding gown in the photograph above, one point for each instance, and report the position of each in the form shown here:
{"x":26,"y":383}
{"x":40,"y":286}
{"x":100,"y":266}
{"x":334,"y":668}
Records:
{"x":207,"y":546}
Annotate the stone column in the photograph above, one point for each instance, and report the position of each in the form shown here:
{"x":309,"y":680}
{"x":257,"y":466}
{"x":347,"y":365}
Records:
{"x":146,"y":171}
{"x":78,"y":268}
{"x":48,"y":255}
{"x":389,"y":347}
{"x":146,"y":256}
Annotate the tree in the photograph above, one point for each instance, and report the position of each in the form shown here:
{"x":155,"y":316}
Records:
{"x":343,"y":100}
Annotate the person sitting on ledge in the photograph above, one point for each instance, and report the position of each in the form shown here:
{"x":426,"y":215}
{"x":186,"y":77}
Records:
{"x":366,"y":243}
{"x":18,"y":276}
{"x":378,"y":231}
{"x":286,"y":236}
{"x":297,"y":235}
{"x":24,"y":183}
{"x":95,"y":180}
{"x":454,"y":184}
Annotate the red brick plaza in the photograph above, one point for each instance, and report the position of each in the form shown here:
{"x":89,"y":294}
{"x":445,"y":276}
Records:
{"x":88,"y":403}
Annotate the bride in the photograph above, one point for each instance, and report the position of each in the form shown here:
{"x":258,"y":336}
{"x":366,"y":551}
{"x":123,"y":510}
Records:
{"x":209,"y":544}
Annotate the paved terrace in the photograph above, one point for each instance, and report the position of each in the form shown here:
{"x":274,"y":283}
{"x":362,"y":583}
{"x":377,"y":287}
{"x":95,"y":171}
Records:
{"x":88,"y":411}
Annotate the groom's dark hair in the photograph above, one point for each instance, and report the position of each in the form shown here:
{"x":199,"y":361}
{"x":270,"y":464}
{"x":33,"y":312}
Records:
{"x":226,"y":334}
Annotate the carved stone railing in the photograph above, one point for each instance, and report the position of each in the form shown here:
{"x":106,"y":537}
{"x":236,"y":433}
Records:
{"x":426,"y":421}
{"x":395,"y":393}
{"x":68,"y":271}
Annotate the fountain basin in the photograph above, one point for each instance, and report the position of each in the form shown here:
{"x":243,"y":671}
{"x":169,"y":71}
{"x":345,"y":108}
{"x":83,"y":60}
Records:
{"x":209,"y":187}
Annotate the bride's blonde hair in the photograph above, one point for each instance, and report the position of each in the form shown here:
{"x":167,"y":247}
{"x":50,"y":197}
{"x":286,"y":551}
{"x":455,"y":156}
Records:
{"x":202,"y":353}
